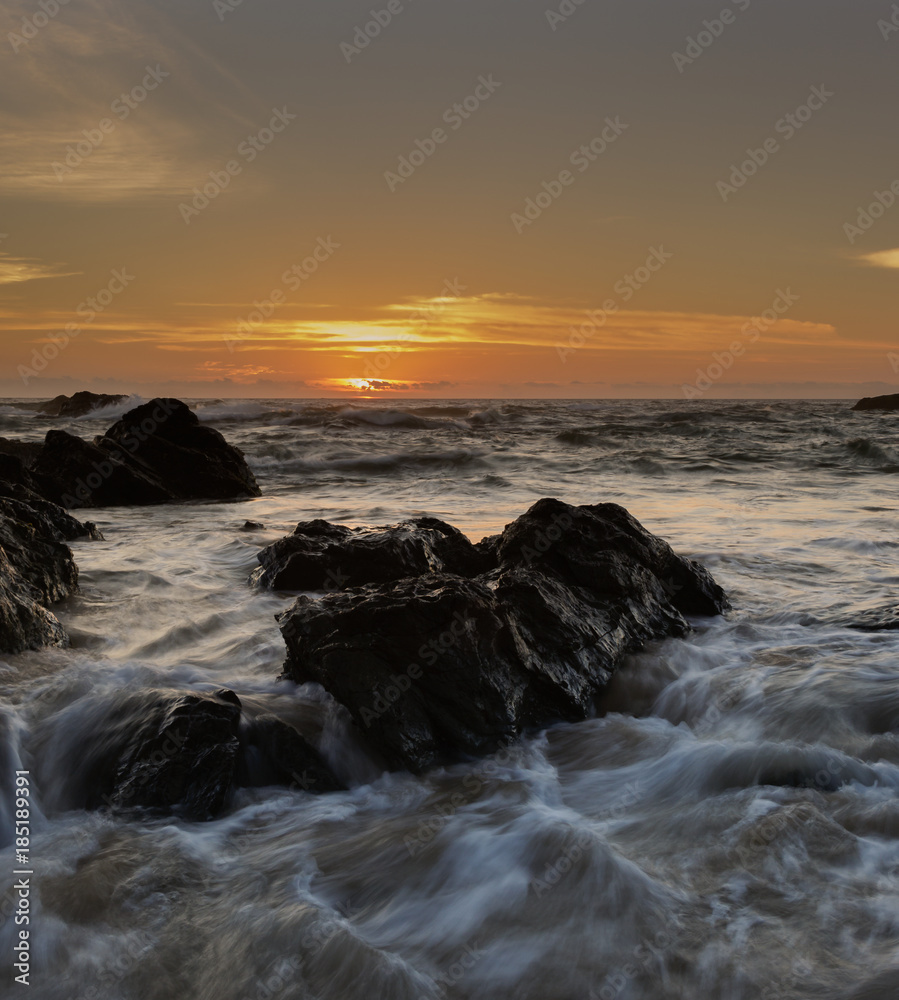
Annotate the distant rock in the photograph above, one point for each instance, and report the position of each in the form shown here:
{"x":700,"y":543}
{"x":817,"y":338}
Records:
{"x":156,"y":453}
{"x":437,"y":666}
{"x":36,"y":566}
{"x":323,"y":556}
{"x":78,"y":405}
{"x":252,"y":526}
{"x":890,"y":402}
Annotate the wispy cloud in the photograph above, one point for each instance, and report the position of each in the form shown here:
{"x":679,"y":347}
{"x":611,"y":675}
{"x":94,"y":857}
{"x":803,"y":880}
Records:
{"x":881,"y":258}
{"x":14,"y":270}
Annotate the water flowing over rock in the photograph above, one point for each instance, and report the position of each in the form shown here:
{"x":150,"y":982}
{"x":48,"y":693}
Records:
{"x":439,"y":666}
{"x":169,"y":751}
{"x":156,"y":453}
{"x":890,"y":402}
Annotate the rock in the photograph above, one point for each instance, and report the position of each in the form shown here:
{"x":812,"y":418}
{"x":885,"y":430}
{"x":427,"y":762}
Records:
{"x":79,"y":404}
{"x":165,"y":438}
{"x":252,"y":526}
{"x":75,"y":473}
{"x":881,"y":619}
{"x":890,"y":402}
{"x":167,"y":751}
{"x":25,"y":451}
{"x":437,"y":667}
{"x":156,"y":453}
{"x":36,"y":569}
{"x":274,"y":753}
{"x":323,"y":556}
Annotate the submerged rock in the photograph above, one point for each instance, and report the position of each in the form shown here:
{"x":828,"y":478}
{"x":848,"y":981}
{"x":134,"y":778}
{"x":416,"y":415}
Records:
{"x":437,"y":666}
{"x":890,"y":402}
{"x":275,"y":753}
{"x":156,"y":453}
{"x":323,"y":556}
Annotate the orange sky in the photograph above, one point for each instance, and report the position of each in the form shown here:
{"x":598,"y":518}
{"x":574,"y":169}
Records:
{"x":483,"y":201}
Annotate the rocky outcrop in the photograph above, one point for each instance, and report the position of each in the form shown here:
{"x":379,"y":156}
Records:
{"x":323,"y":556}
{"x":79,"y":404}
{"x":890,"y":402}
{"x":443,"y":664}
{"x":168,"y":751}
{"x":36,"y":566}
{"x":156,"y":453}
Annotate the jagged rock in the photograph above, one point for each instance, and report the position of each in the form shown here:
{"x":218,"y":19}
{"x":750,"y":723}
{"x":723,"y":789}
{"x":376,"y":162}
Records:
{"x":890,"y":402}
{"x":156,"y":453}
{"x":78,"y":404}
{"x":436,"y":667}
{"x":323,"y":556}
{"x":36,"y":569}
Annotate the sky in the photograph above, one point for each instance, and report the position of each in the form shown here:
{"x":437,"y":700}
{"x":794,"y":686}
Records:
{"x":450,"y":198}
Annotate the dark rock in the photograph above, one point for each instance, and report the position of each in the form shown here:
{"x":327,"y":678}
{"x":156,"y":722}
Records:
{"x":79,"y":404}
{"x":890,"y":402}
{"x":165,"y":438}
{"x":323,"y":556}
{"x":436,"y":667}
{"x":75,"y":473}
{"x":153,"y":749}
{"x":36,"y":569}
{"x":252,"y":526}
{"x":274,"y":753}
{"x":880,"y":619}
{"x":156,"y":453}
{"x":25,"y":451}
{"x":167,"y":751}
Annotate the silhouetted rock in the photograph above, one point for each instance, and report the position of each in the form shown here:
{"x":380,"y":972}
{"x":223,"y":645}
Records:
{"x":435,"y":667}
{"x":79,"y":404}
{"x":323,"y":556}
{"x":890,"y":402}
{"x":156,"y":453}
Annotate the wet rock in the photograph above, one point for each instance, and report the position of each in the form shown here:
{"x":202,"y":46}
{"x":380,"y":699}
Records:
{"x":79,"y":404}
{"x":36,"y":570}
{"x":274,"y":753}
{"x":156,"y":453}
{"x":323,"y":556}
{"x":890,"y":402}
{"x":252,"y":526}
{"x":167,"y":751}
{"x":879,"y":619}
{"x":436,"y":666}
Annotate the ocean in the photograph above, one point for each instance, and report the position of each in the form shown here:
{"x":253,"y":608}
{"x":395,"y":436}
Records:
{"x":638,"y":855}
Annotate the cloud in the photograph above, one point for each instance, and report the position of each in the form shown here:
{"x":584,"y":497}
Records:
{"x":73,"y":73}
{"x":14,"y":270}
{"x":882,"y":258}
